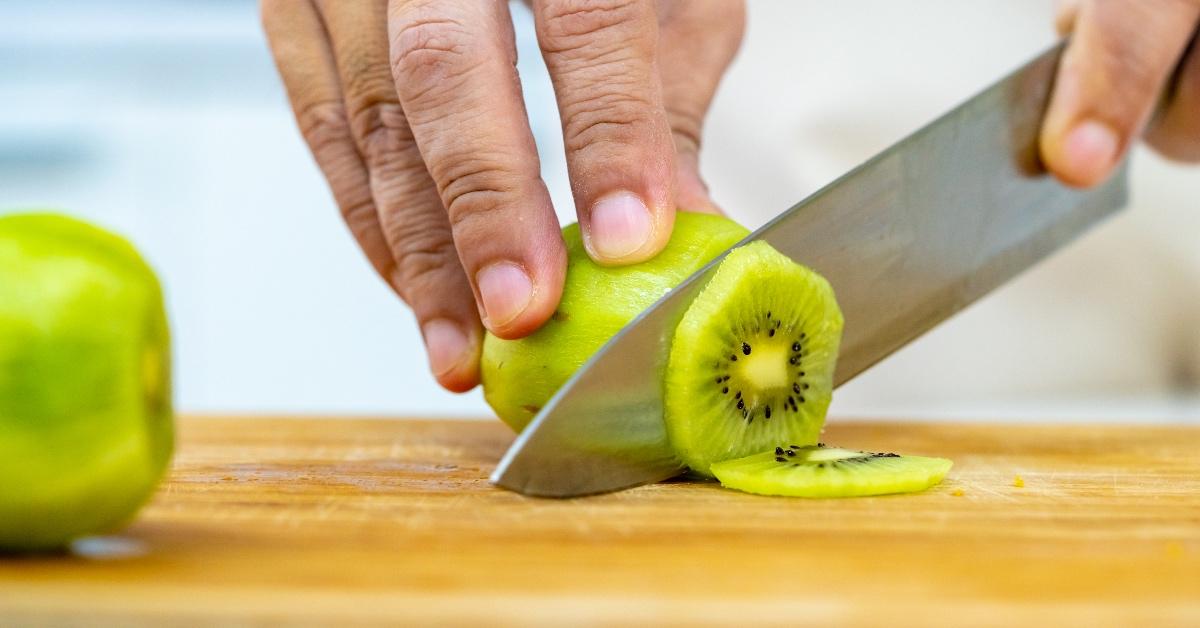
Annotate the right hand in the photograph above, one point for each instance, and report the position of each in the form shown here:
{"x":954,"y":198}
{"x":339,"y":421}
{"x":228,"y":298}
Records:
{"x":1121,"y":56}
{"x":413,"y":111}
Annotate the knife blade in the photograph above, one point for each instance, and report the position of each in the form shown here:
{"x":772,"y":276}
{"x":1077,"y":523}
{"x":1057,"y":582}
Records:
{"x":907,"y":239}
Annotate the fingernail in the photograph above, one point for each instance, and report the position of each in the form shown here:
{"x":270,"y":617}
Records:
{"x":620,"y":224}
{"x":1091,"y":148}
{"x":506,"y":291}
{"x":446,"y":344}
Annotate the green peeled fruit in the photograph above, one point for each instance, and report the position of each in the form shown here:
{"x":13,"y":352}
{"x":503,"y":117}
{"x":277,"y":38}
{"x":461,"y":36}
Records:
{"x":86,"y":428}
{"x":520,"y":376}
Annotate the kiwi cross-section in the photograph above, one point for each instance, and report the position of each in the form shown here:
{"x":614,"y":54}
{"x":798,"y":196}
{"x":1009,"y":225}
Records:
{"x":820,"y":471}
{"x":752,"y":360}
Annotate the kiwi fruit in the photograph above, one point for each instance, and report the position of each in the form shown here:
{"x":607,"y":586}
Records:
{"x":752,"y":360}
{"x":820,"y":471}
{"x":520,"y":376}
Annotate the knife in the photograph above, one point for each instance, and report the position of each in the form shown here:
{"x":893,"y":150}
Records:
{"x":907,"y":239}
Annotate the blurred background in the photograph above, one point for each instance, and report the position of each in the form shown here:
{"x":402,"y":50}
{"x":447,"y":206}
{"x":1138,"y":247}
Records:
{"x":165,"y":120}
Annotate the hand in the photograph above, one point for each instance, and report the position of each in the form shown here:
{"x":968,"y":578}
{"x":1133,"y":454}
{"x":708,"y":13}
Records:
{"x":413,"y":111}
{"x":1121,"y":56}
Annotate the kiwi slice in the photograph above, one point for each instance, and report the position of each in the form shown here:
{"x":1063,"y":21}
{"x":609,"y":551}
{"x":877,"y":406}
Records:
{"x":820,"y":471}
{"x":752,"y":360}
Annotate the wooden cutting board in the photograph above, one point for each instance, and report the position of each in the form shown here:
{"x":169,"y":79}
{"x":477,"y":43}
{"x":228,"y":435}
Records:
{"x":345,"y":522}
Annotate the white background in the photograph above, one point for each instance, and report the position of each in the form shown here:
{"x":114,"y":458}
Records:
{"x":165,"y":121}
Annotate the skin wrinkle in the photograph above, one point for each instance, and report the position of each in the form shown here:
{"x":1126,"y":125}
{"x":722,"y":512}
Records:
{"x":433,"y":54}
{"x":570,"y":25}
{"x":609,"y":116}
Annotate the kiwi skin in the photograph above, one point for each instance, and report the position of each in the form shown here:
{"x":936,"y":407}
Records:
{"x":520,"y":376}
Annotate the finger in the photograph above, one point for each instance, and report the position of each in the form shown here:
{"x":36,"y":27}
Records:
{"x":1176,"y":133}
{"x":697,"y":41}
{"x":1111,"y":74}
{"x":414,"y":222}
{"x":620,"y":154}
{"x":300,"y":43}
{"x":453,"y":63}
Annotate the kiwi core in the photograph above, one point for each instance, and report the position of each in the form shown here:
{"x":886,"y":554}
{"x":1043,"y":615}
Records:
{"x":766,"y":368}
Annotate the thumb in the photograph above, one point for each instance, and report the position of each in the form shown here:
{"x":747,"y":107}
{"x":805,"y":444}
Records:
{"x":1119,"y":58}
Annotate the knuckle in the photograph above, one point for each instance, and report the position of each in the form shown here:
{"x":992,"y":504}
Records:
{"x":366,"y":76}
{"x":569,"y":25}
{"x":424,"y":254}
{"x":323,"y":124}
{"x":608,"y":116}
{"x":384,"y":136}
{"x":473,"y":188}
{"x":426,"y":52}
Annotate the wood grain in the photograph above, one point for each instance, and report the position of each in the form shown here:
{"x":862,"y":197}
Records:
{"x":346,"y":522}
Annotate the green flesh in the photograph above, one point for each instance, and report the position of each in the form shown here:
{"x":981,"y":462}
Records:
{"x":818,"y":471}
{"x":752,"y":360}
{"x":85,"y":399}
{"x":520,"y":376}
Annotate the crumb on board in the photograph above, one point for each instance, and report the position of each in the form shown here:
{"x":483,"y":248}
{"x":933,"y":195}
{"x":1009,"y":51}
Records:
{"x":1018,"y":481}
{"x":958,"y":492}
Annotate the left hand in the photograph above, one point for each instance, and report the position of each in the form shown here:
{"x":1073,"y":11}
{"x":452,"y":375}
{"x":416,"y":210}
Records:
{"x":1121,"y":56}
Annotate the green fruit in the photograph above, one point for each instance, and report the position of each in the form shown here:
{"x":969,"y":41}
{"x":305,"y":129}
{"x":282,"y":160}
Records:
{"x":85,"y":387}
{"x":819,"y":471}
{"x":519,"y":376}
{"x":752,"y":360}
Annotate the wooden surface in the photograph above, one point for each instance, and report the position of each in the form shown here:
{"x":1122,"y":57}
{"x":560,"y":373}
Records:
{"x":344,"y":522}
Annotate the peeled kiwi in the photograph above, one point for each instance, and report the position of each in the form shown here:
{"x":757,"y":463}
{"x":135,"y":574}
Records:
{"x":820,"y":471}
{"x":520,"y":376}
{"x":752,"y":360}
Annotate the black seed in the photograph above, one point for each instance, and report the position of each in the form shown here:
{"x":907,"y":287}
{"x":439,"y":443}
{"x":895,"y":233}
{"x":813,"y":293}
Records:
{"x":771,"y":333}
{"x":795,"y":346}
{"x":738,"y":395}
{"x":779,"y":451}
{"x":791,"y":400}
{"x":791,"y":453}
{"x":741,"y":404}
{"x":820,"y":444}
{"x":732,"y":358}
{"x":780,"y":459}
{"x":802,"y":399}
{"x":803,"y":335}
{"x":745,"y":349}
{"x":801,"y":373}
{"x":767,"y":412}
{"x":820,"y":465}
{"x":768,"y":313}
{"x":805,"y":387}
{"x":726,"y":378}
{"x":796,"y":388}
{"x":794,"y":446}
{"x":749,"y":420}
{"x":725,"y":390}
{"x":718,"y":380}
{"x":793,"y":361}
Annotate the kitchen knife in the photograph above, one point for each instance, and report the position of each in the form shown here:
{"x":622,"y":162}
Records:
{"x":907,"y":239}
